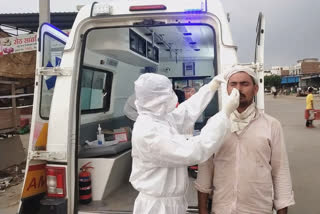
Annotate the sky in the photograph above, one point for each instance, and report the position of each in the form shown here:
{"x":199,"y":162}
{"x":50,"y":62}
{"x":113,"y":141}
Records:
{"x":292,"y":26}
{"x":292,"y":29}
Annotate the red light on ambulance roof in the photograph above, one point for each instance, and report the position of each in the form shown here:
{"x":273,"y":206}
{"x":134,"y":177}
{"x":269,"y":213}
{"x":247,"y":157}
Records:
{"x":148,"y":7}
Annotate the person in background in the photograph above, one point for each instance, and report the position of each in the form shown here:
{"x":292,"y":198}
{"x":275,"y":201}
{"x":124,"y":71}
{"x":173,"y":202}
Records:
{"x":309,"y":108}
{"x":250,"y":173}
{"x":189,"y":91}
{"x":161,"y":151}
{"x":180,"y":94}
{"x":274,"y":91}
{"x":299,"y":92}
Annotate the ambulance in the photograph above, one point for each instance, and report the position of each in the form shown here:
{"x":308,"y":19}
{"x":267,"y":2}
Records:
{"x":84,"y":80}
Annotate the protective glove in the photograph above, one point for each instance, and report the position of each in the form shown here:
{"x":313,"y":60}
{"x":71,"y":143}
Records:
{"x":232,"y":102}
{"x":217,"y":80}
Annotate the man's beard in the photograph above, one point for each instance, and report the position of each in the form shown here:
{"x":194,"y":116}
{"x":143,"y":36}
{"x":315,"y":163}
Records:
{"x":245,"y":103}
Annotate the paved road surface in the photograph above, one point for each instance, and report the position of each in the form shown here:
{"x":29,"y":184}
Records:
{"x":303,"y":147}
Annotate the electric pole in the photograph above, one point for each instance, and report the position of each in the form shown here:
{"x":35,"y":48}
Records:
{"x":44,"y":11}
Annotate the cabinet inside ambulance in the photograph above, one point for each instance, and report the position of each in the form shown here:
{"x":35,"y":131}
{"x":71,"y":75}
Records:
{"x":112,"y":59}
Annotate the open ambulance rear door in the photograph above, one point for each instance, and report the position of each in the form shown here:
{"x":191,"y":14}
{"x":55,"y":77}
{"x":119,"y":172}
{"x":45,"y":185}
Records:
{"x":259,"y":60}
{"x":51,"y":42}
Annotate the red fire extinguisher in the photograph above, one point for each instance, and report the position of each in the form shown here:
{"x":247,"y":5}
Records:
{"x":85,"y":193}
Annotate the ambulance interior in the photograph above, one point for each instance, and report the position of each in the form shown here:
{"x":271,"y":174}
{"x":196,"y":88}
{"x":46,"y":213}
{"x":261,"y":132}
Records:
{"x":113,"y":59}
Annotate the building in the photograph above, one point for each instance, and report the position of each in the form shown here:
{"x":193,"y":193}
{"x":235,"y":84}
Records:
{"x":304,"y":74}
{"x":267,"y":73}
{"x":17,"y":64}
{"x":309,"y":72}
{"x":276,"y":70}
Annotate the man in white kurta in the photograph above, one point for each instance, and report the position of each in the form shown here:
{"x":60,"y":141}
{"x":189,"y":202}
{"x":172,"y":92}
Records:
{"x":250,"y":173}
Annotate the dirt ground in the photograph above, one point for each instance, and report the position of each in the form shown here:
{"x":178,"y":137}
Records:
{"x":9,"y":198}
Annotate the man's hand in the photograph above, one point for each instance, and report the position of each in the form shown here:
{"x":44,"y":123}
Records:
{"x":203,"y":202}
{"x":283,"y":211}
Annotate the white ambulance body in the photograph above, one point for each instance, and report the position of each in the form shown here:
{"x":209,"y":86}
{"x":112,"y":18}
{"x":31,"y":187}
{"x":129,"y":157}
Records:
{"x":84,"y":79}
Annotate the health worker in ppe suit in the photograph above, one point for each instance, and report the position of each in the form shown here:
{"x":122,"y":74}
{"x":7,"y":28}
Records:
{"x":161,"y":151}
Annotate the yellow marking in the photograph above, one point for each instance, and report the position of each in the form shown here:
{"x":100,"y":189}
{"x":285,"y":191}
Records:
{"x":41,"y":143}
{"x":35,"y":182}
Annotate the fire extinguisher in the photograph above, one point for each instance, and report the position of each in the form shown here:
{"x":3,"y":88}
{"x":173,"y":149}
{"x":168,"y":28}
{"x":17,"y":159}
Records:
{"x":85,"y":193}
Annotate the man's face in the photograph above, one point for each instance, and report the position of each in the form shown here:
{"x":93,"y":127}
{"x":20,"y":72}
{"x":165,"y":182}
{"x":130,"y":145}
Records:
{"x":244,"y":83}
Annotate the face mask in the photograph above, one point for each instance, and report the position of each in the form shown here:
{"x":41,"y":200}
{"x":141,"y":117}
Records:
{"x":172,"y":103}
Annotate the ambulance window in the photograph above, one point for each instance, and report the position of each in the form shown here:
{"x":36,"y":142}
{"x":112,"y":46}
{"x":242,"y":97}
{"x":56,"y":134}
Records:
{"x":137,"y":43}
{"x":52,"y":53}
{"x":95,"y":90}
{"x":152,"y":52}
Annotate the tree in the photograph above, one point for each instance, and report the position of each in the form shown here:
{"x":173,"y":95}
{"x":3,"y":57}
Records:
{"x":272,"y":80}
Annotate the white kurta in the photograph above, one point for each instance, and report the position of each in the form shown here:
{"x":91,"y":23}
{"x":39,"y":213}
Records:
{"x":250,"y":173}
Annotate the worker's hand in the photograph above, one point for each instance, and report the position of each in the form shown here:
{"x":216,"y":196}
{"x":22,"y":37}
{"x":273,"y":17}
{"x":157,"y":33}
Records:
{"x":217,"y":80}
{"x":232,"y":102}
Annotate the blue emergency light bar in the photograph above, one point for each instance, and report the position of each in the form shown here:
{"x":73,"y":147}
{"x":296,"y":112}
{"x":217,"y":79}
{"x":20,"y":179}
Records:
{"x":193,"y":10}
{"x":199,"y":6}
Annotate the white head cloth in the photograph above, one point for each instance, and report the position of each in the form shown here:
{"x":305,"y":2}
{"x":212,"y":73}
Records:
{"x":240,"y":68}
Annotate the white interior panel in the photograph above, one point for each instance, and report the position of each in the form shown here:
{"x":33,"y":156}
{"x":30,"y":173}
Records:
{"x":175,"y":69}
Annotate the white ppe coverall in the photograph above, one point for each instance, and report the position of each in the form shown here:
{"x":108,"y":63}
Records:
{"x":130,"y":109}
{"x":161,"y":151}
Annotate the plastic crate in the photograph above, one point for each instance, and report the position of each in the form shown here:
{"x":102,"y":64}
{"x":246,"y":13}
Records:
{"x":316,"y":113}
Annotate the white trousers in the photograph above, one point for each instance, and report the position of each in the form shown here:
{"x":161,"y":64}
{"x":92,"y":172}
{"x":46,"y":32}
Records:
{"x":146,"y":204}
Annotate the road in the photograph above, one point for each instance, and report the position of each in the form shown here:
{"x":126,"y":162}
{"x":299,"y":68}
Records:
{"x":303,"y":146}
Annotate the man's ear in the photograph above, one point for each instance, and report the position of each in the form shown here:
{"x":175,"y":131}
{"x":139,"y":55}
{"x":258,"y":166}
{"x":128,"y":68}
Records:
{"x":256,"y":89}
